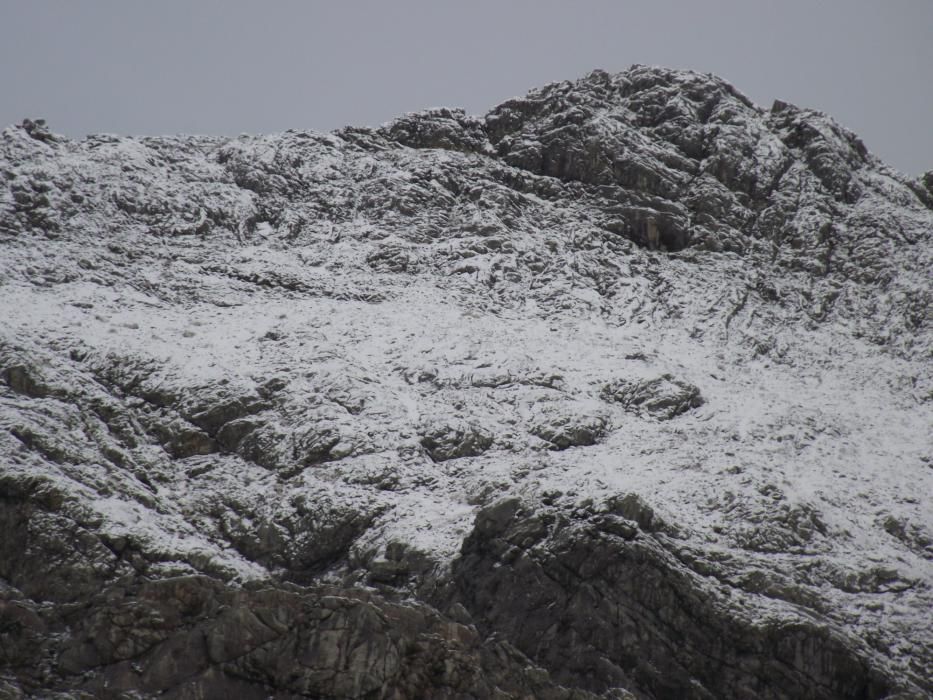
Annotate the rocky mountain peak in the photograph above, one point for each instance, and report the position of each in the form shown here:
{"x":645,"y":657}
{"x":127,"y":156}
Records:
{"x":620,"y":390}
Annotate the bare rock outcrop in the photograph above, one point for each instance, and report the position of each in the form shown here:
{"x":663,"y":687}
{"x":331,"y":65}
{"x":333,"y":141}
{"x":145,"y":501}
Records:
{"x":605,"y":602}
{"x":620,"y":389}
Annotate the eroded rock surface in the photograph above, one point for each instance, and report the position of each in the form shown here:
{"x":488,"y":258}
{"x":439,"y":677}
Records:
{"x":192,"y":637}
{"x":606,"y":602}
{"x":621,"y":389}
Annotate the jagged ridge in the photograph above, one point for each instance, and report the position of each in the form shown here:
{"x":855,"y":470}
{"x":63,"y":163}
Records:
{"x":251,"y":364}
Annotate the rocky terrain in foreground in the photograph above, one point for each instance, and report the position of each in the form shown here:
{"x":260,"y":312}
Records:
{"x":622,"y":390}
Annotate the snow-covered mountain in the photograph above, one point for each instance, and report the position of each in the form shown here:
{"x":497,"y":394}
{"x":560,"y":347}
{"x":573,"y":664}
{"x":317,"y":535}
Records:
{"x":623,"y":389}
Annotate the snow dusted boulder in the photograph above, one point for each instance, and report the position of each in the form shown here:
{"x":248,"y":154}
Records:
{"x":662,"y":397}
{"x":283,"y":449}
{"x":564,"y":424}
{"x":186,"y":441}
{"x":454,"y":438}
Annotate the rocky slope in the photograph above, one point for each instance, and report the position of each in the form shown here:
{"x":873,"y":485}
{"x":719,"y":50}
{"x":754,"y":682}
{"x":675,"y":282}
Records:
{"x":621,"y":390}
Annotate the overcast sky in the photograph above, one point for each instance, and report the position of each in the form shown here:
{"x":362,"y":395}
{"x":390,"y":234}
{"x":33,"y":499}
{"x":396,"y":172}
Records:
{"x":235,"y":66}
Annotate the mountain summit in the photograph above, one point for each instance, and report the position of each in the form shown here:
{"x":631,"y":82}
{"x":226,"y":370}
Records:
{"x":622,"y":390}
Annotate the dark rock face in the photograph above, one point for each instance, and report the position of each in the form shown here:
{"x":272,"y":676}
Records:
{"x":619,"y":390}
{"x":605,"y":602}
{"x":192,"y":637}
{"x":49,"y":551}
{"x":300,"y":541}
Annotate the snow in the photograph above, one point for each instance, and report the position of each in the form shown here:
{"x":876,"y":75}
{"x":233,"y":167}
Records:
{"x":804,"y":406}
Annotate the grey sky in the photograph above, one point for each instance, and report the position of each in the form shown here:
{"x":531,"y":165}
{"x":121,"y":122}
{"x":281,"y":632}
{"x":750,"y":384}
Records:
{"x":170,"y":66}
